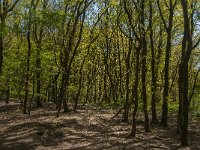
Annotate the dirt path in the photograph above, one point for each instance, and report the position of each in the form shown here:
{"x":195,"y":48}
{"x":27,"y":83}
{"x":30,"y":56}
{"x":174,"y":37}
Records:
{"x":84,"y":130}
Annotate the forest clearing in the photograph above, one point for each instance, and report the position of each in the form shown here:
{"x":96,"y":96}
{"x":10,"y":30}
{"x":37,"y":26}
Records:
{"x":99,"y":74}
{"x":86,"y":129}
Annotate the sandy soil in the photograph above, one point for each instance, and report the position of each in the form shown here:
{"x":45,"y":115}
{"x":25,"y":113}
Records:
{"x":90,"y":129}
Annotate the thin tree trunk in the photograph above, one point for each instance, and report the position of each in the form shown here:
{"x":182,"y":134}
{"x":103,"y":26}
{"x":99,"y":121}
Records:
{"x":1,"y":43}
{"x":135,"y":92}
{"x":27,"y":72}
{"x":128,"y":69}
{"x":38,"y":77}
{"x":168,"y":27}
{"x":153,"y":75}
{"x":144,"y":68}
{"x":28,"y":58}
{"x":164,"y":119}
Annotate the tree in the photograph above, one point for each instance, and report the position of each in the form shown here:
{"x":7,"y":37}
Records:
{"x":28,"y":56}
{"x":187,"y":47}
{"x":168,"y":28}
{"x":153,"y":71}
{"x":75,"y":27}
{"x":5,"y":8}
{"x":142,"y":45}
{"x":38,"y":35}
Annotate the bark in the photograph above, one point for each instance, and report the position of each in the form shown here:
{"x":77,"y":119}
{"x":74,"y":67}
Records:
{"x":164,"y":119}
{"x":69,"y":52}
{"x":1,"y":43}
{"x":187,"y":47}
{"x":27,"y":72}
{"x":7,"y":95}
{"x":135,"y":92}
{"x":38,"y":77}
{"x":62,"y":94}
{"x":120,"y":69}
{"x":128,"y":71}
{"x":28,"y":59}
{"x":144,"y":67}
{"x":153,"y":73}
{"x":79,"y":84}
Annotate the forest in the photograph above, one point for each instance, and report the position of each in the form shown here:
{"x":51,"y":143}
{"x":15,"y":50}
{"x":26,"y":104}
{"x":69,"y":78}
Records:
{"x":99,"y":74}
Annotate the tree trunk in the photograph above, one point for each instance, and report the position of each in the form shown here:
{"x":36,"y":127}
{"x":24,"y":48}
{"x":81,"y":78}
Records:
{"x":153,"y":75}
{"x":1,"y":43}
{"x":184,"y":105}
{"x":187,"y":47}
{"x":164,"y":119}
{"x":62,"y":94}
{"x":38,"y":77}
{"x":135,"y":92}
{"x":144,"y":68}
{"x":168,"y":27}
{"x":144,"y":94}
{"x":79,"y":86}
{"x":7,"y":95}
{"x":28,"y":58}
{"x":128,"y":69}
{"x":27,"y":72}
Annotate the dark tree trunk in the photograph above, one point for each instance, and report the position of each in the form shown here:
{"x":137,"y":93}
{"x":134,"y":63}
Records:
{"x":105,"y":97}
{"x":187,"y":47}
{"x":180,"y":84}
{"x":1,"y":44}
{"x":164,"y":119}
{"x":62,"y":94}
{"x":144,"y":67}
{"x":168,"y":27}
{"x":54,"y":89}
{"x":38,"y":77}
{"x":27,"y":72}
{"x":7,"y":95}
{"x":144,"y":94}
{"x":120,"y":70}
{"x":128,"y":69}
{"x":79,"y":85}
{"x":184,"y":104}
{"x":28,"y":59}
{"x":7,"y":91}
{"x":153,"y":73}
{"x":135,"y":92}
{"x":65,"y":92}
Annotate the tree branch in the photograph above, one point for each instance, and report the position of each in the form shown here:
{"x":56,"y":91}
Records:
{"x":161,"y":15}
{"x":194,"y":85}
{"x":12,"y":7}
{"x":197,"y":43}
{"x":130,"y":20}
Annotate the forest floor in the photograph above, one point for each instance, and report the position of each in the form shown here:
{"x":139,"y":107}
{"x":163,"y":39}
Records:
{"x":87,"y":129}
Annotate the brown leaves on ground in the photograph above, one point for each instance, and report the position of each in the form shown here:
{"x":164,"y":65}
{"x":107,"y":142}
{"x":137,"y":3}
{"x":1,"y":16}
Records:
{"x":87,"y":129}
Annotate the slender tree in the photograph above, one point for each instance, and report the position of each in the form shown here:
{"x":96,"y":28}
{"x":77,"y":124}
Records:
{"x":28,"y":57}
{"x":153,"y":72}
{"x":168,"y":25}
{"x":187,"y":47}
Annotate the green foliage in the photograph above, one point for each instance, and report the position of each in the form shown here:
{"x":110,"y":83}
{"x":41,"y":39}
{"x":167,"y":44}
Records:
{"x":103,"y":50}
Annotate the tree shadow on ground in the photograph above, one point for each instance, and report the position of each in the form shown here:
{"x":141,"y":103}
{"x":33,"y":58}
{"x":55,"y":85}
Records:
{"x":86,"y":129}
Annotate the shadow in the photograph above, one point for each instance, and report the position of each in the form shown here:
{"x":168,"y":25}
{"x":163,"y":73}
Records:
{"x":85,"y":129}
{"x":10,"y":107}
